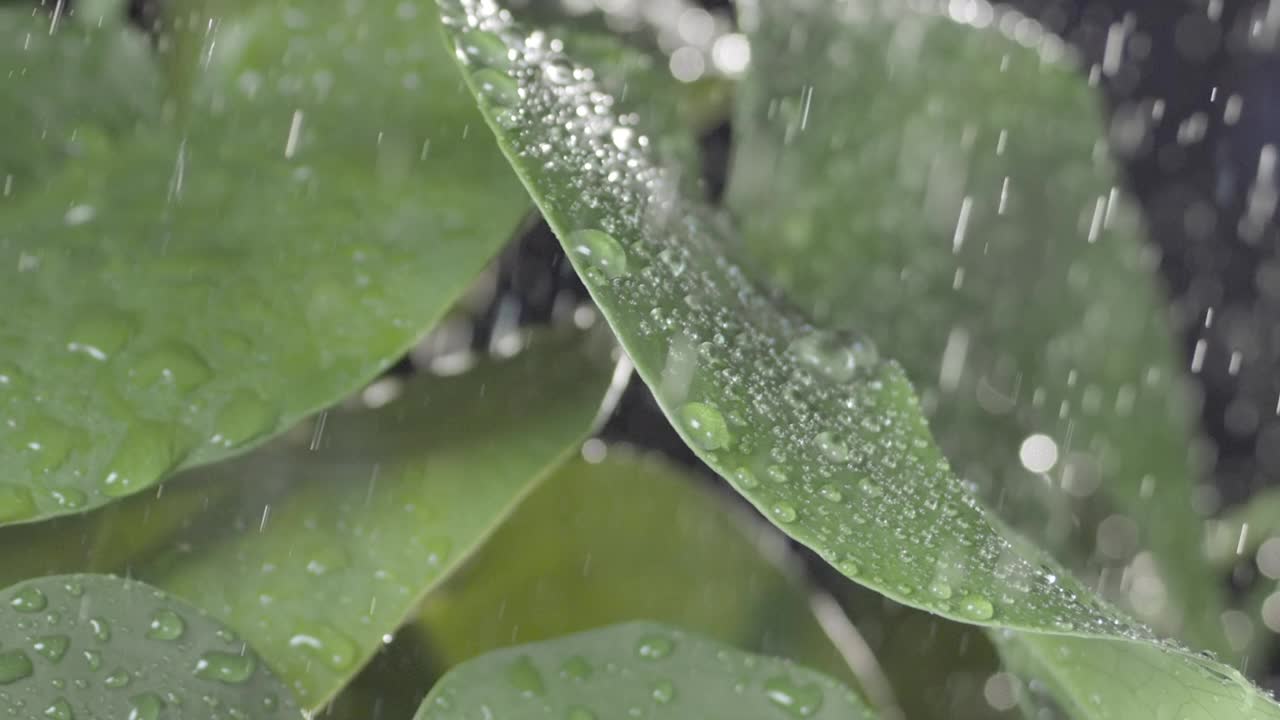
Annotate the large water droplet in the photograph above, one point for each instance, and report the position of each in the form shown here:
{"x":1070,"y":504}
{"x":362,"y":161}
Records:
{"x":29,"y":600}
{"x":783,"y":512}
{"x":59,"y":709}
{"x":797,"y":700}
{"x":600,"y":251}
{"x":176,"y":364}
{"x":664,"y":691}
{"x":46,"y":442}
{"x":940,"y":589}
{"x":100,"y":334}
{"x":146,"y":454}
{"x":117,"y":679}
{"x":245,"y":416}
{"x":229,"y":668}
{"x":146,"y":707}
{"x":705,"y":425}
{"x":838,"y":356}
{"x":326,"y":643}
{"x":525,"y":678}
{"x":745,"y":479}
{"x":92,"y":659}
{"x":655,"y":647}
{"x":977,"y":607}
{"x":832,"y":447}
{"x":16,"y":504}
{"x":576,"y":668}
{"x":67,"y":498}
{"x":14,"y":666}
{"x":166,"y":625}
{"x":52,"y":647}
{"x":101,"y":629}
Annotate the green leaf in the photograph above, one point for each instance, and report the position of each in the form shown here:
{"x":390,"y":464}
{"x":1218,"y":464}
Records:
{"x":181,"y":290}
{"x":366,"y":509}
{"x":642,"y":666}
{"x":80,"y":646}
{"x":373,"y":507}
{"x":831,"y":445}
{"x":632,"y":536}
{"x":948,"y":191}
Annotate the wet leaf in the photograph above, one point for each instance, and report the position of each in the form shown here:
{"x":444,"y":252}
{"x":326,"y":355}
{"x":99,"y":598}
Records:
{"x":183,"y":285}
{"x":632,"y":536}
{"x":100,"y":646}
{"x":823,"y":436}
{"x":646,"y":666}
{"x":340,"y":532}
{"x":948,"y":190}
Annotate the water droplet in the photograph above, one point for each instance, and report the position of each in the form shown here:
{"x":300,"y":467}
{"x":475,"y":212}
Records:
{"x":832,"y":447}
{"x":600,"y":252}
{"x":29,"y":600}
{"x":68,"y":498}
{"x":1063,"y":625}
{"x":14,"y":666}
{"x":498,"y":87}
{"x":100,"y":334}
{"x":576,"y":668}
{"x":46,"y":442}
{"x":783,"y":512}
{"x":93,"y":659}
{"x":144,"y":456}
{"x":579,"y":713}
{"x":838,"y":356}
{"x":323,"y":641}
{"x":977,"y":607}
{"x":229,"y":668}
{"x":655,"y":647}
{"x":870,"y":488}
{"x":59,"y":709}
{"x":940,"y":589}
{"x":166,"y":625}
{"x":176,"y":364}
{"x":486,"y":49}
{"x":525,"y":678}
{"x":797,"y":700}
{"x":245,"y":417}
{"x":831,"y":493}
{"x":849,"y":567}
{"x":52,"y":647}
{"x":101,"y":629}
{"x":705,"y":425}
{"x":117,"y":679}
{"x":16,"y":503}
{"x":73,"y":588}
{"x":745,"y":479}
{"x":325,"y":559}
{"x":777,"y":474}
{"x":664,"y":691}
{"x":146,"y":707}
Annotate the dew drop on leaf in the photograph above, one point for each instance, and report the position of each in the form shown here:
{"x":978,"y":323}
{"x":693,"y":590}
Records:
{"x":244,"y":417}
{"x":166,"y":625}
{"x":14,"y":666}
{"x":655,"y":647}
{"x":146,"y":707}
{"x":940,"y":589}
{"x":525,"y":678}
{"x":745,"y":479}
{"x":600,"y":251}
{"x":324,"y":642}
{"x":229,"y":668}
{"x":59,"y":709}
{"x":52,"y":647}
{"x":498,"y":88}
{"x":977,"y":607}
{"x":783,"y":512}
{"x":29,"y":600}
{"x":664,"y":691}
{"x":576,"y":668}
{"x":705,"y":425}
{"x":798,"y":700}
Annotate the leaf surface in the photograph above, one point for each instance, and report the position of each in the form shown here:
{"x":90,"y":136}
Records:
{"x":641,"y":667}
{"x":101,"y":646}
{"x":189,"y":283}
{"x":827,"y":440}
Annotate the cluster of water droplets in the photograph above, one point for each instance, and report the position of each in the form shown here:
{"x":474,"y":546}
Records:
{"x":69,"y":650}
{"x":638,"y":668}
{"x":810,"y":424}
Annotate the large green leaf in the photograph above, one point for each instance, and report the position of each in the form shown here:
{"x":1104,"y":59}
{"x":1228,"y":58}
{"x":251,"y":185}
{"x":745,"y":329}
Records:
{"x":629,"y":537}
{"x":947,"y":190}
{"x":640,"y":668}
{"x":829,"y":444}
{"x":86,"y":646}
{"x":179,"y":290}
{"x":365,"y":508}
